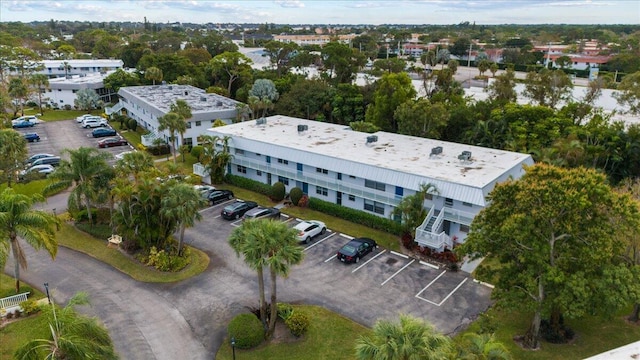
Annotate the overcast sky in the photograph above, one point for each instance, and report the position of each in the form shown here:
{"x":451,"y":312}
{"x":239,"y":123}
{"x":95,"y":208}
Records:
{"x":330,"y":12}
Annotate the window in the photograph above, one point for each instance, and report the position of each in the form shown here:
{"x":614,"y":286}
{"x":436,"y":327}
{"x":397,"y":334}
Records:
{"x":467,"y":204}
{"x":242,"y":169}
{"x":464,"y":228}
{"x":322,"y":171}
{"x":352,"y":177}
{"x":188,"y":125}
{"x":188,"y":141}
{"x":198,"y":123}
{"x":374,"y":206}
{"x":352,"y":197}
{"x":339,"y":176}
{"x":283,"y":180}
{"x":374,"y":185}
{"x":239,"y":152}
{"x":428,"y":196}
{"x":321,"y":191}
{"x":448,"y":202}
{"x":258,"y":155}
{"x":258,"y":172}
{"x":285,"y":162}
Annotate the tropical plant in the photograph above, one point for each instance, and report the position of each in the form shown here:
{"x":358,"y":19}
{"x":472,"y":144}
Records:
{"x":13,"y":148}
{"x":181,"y":204}
{"x":87,"y":170}
{"x":87,"y":100}
{"x":409,"y":339}
{"x":215,"y":156}
{"x":73,"y":336}
{"x":411,"y":209}
{"x":174,"y":123}
{"x":272,"y":244}
{"x":482,"y":347}
{"x":40,"y":82}
{"x":154,"y":74}
{"x":182,"y":108}
{"x":19,"y":221}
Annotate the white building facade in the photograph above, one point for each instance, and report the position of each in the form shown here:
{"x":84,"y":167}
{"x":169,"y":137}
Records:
{"x":146,"y":104}
{"x":58,"y":68}
{"x":373,"y":172}
{"x":62,"y":91}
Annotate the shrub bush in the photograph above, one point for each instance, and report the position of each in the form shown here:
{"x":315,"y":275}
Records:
{"x":29,"y":306}
{"x":295,"y":194}
{"x":83,"y":216}
{"x":166,"y":261}
{"x":304,"y":201}
{"x":197,"y":151}
{"x":98,"y":231}
{"x":247,"y":330}
{"x":298,"y":323}
{"x":249,"y":184}
{"x":278,"y":191}
{"x":284,"y":311}
{"x":163,"y":149}
{"x":132,"y":124}
{"x":356,"y":216}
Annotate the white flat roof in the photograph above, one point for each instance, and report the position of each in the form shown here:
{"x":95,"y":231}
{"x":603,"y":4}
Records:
{"x":401,"y":153}
{"x":163,"y":96}
{"x":83,"y":63}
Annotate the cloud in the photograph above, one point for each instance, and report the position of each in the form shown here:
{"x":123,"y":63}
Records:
{"x":289,"y":3}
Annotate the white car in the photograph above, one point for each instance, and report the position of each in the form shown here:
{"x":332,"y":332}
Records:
{"x":94,"y":122}
{"x":29,"y":118}
{"x":309,"y":229}
{"x":81,"y":118}
{"x":42,"y":169}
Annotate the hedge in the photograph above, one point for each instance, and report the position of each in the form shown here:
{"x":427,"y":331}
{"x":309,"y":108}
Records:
{"x":249,"y":184}
{"x":356,"y":216}
{"x":247,"y":331}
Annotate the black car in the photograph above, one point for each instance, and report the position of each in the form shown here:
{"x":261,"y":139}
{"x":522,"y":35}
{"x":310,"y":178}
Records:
{"x":215,"y":196}
{"x":263,"y":213}
{"x":103,"y":132}
{"x":355,"y":249}
{"x":237,"y":209}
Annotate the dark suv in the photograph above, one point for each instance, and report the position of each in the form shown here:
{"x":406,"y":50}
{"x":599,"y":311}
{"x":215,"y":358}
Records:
{"x":237,"y":209}
{"x":263,"y":213}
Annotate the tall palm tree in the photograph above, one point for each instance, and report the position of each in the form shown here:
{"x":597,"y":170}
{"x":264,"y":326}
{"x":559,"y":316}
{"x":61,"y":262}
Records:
{"x":409,"y":339}
{"x":40,"y":82}
{"x":73,"y":336}
{"x":134,"y":163}
{"x":482,"y":347}
{"x":272,"y":244}
{"x":86,"y":168}
{"x":172,"y":122}
{"x":13,"y":148}
{"x":183,"y":109}
{"x":18,"y":220}
{"x":18,"y":90}
{"x":154,"y":74}
{"x":181,"y":203}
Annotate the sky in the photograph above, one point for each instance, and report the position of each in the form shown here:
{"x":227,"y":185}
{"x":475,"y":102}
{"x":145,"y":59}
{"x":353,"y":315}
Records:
{"x":374,"y":12}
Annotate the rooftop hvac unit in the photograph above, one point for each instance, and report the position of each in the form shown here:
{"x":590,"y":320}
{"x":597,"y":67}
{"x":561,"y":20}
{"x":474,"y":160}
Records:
{"x":302,"y":128}
{"x":261,"y":121}
{"x":436,"y":150}
{"x":372,"y":139}
{"x":465,"y":156}
{"x":186,"y":93}
{"x":203,"y":98}
{"x":219,"y":103}
{"x":170,"y":87}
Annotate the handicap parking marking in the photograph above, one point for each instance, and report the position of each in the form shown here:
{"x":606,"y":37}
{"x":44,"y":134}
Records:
{"x":318,"y":242}
{"x":368,"y":261}
{"x":398,"y":272}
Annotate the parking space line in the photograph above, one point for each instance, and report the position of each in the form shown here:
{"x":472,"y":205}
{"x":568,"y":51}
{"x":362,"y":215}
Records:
{"x":378,"y":254}
{"x":397,"y":272}
{"x":331,"y":258}
{"x":286,"y":216}
{"x":318,"y":242}
{"x":431,"y":283}
{"x":454,"y":290}
{"x":398,"y":254}
{"x":490,"y":286}
{"x":429,"y":265}
{"x":347,"y":236}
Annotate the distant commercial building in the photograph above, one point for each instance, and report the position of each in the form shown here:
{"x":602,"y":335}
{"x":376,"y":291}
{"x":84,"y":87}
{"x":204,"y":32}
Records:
{"x":146,"y":104}
{"x":373,"y":172}
{"x":314,"y":39}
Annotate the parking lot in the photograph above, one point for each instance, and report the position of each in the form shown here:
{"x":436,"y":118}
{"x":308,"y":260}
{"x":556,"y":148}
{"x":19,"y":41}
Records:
{"x":67,"y":134}
{"x":383,"y":282}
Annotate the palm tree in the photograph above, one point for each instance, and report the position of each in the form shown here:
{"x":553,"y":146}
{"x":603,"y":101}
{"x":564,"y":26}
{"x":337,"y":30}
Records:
{"x":18,"y":220}
{"x":174,"y":123}
{"x":215,"y":160}
{"x":154,"y":74}
{"x":182,"y":203}
{"x":41,"y":82}
{"x":72,"y":336}
{"x":86,"y":168}
{"x":411,"y":209}
{"x":272,"y":244}
{"x":13,"y":148}
{"x":410,"y":339}
{"x":134,"y":163}
{"x":18,"y":90}
{"x":482,"y":347}
{"x":183,"y":109}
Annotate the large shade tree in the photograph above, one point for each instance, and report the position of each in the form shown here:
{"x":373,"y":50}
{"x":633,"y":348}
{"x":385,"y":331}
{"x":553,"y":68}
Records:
{"x":409,"y":339}
{"x":551,"y":232}
{"x":270,"y":244}
{"x":392,"y":91}
{"x":18,"y":221}
{"x":71,"y":336}
{"x":13,"y":148}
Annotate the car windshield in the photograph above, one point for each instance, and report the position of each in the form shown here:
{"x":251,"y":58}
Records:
{"x":348,"y":249}
{"x":232,"y":207}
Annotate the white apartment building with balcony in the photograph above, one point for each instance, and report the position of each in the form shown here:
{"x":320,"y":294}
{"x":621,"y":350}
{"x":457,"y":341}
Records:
{"x":372,"y":172}
{"x":58,"y":68}
{"x":146,"y":104}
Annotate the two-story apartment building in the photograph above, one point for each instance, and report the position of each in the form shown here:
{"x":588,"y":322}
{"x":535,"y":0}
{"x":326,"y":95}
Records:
{"x":146,"y":104}
{"x":62,"y":90}
{"x":373,"y":172}
{"x":57,"y":68}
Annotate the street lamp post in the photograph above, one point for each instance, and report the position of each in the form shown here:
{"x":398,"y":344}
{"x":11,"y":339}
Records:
{"x":46,"y":287}
{"x":233,"y":347}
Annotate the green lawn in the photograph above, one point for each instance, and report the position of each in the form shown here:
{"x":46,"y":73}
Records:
{"x":58,"y":115}
{"x":30,"y":188}
{"x":330,"y":336}
{"x":70,"y":237}
{"x":386,"y":240}
{"x":13,"y":335}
